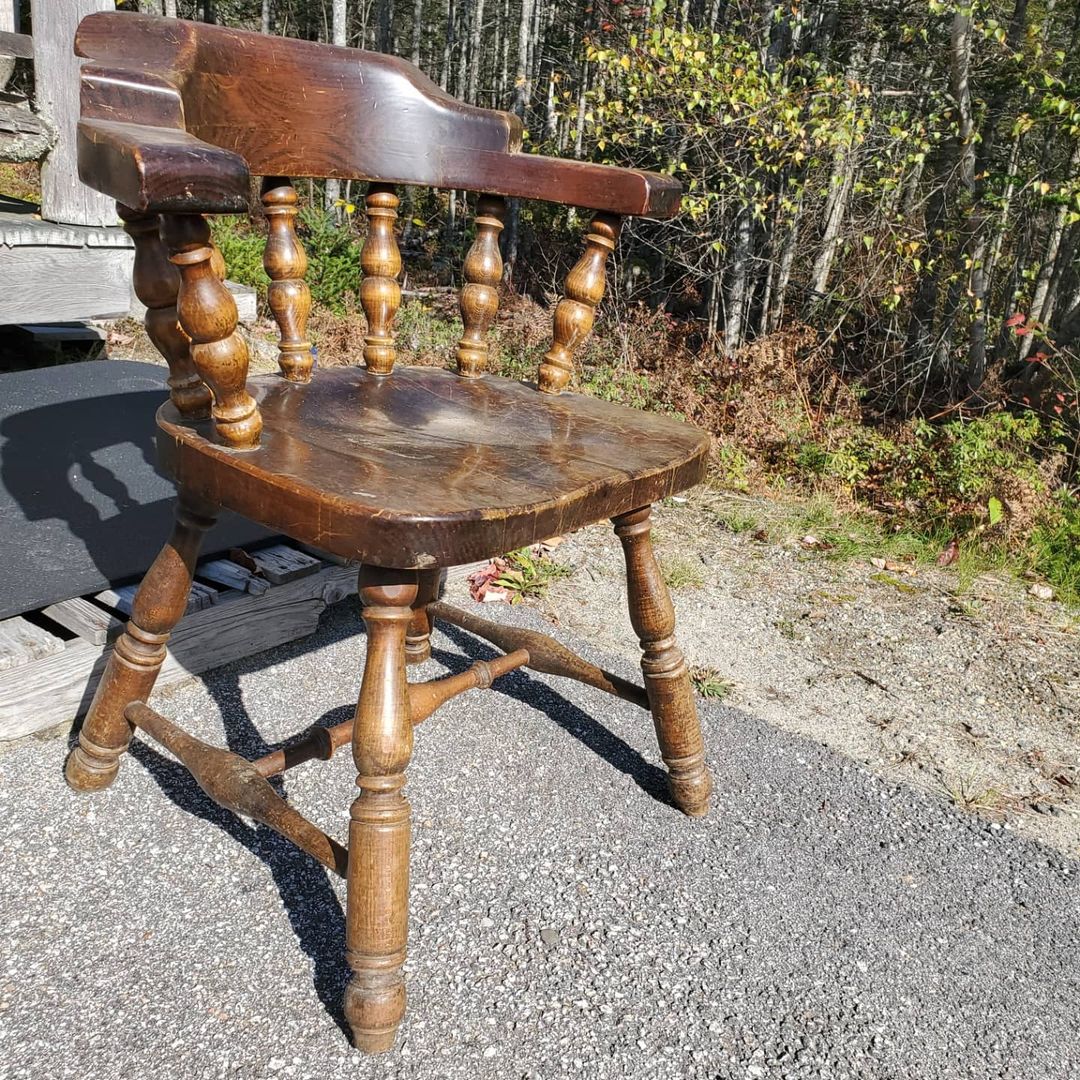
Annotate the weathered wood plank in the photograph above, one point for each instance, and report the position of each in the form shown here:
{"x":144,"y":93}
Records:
{"x":56,"y":80}
{"x":92,"y":623}
{"x":121,"y":597}
{"x":280,"y":563}
{"x":58,"y":688}
{"x":20,"y":45}
{"x":21,"y":642}
{"x":63,"y":284}
{"x":232,"y":575}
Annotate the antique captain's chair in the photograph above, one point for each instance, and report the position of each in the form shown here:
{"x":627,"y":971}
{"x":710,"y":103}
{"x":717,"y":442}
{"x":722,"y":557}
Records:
{"x":405,"y":471}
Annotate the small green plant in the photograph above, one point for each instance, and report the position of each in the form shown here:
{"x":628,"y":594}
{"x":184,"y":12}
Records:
{"x":1055,"y":547}
{"x":737,"y":522}
{"x":709,"y":683}
{"x":682,"y":573}
{"x":619,"y":384}
{"x":528,"y":574}
{"x":969,"y":795}
{"x":425,"y":335}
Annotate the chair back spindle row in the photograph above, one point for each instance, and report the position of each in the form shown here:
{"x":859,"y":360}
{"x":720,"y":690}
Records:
{"x":285,"y":263}
{"x":191,"y":316}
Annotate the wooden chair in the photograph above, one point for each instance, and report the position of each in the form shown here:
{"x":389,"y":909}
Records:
{"x":406,"y":471}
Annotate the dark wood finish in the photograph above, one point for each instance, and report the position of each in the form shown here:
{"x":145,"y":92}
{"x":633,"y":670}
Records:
{"x":376,"y":917}
{"x":286,"y":263}
{"x":207,"y":313}
{"x":424,"y":699}
{"x":235,"y":783}
{"x":380,"y":293}
{"x":140,"y":651}
{"x":404,"y":470}
{"x":576,"y":312}
{"x":418,"y":636}
{"x":545,"y":653}
{"x":667,"y":680}
{"x":332,"y":111}
{"x":427,"y":469}
{"x":157,"y":282}
{"x":483,"y":272}
{"x":161,"y":170}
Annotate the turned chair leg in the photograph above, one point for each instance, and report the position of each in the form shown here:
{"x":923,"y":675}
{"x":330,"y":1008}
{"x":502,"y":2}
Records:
{"x":377,"y":910}
{"x":140,"y":651}
{"x":418,"y":636}
{"x":667,"y":680}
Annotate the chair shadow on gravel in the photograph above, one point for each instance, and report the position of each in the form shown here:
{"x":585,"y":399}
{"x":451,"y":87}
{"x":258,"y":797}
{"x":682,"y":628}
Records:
{"x":520,"y":686}
{"x":307,"y":896}
{"x":309,"y":900}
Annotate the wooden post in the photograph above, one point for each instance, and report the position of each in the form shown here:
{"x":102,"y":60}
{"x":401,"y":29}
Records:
{"x":64,"y":197}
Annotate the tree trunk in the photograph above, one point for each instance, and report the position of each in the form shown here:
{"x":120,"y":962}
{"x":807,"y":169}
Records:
{"x":1053,"y":243}
{"x":476,"y":55}
{"x":448,"y":47}
{"x":841,"y":185}
{"x":737,"y":277}
{"x":384,"y":25}
{"x":339,"y":14}
{"x":417,"y":30}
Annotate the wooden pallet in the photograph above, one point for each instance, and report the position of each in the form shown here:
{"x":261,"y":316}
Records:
{"x":51,"y":660}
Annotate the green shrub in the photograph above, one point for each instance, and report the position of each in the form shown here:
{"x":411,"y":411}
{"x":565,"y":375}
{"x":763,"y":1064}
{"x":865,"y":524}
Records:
{"x":1055,"y":547}
{"x":333,"y":253}
{"x":242,"y":247}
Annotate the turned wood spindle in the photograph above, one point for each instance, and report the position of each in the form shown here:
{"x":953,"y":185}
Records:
{"x":285,"y":263}
{"x":236,"y":784}
{"x":479,"y":300}
{"x":667,"y":680}
{"x":156,"y":282}
{"x":376,"y":920}
{"x":576,"y":312}
{"x":380,"y":293}
{"x":418,"y":636}
{"x":208,"y":315}
{"x":424,"y":699}
{"x":139,"y":652}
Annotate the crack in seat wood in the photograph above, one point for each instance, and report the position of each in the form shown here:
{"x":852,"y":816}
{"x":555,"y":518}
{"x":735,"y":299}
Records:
{"x":407,"y":471}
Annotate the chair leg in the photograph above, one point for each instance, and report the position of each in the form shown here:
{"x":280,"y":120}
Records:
{"x":418,"y":636}
{"x":667,"y":680}
{"x":140,"y":651}
{"x":377,"y":909}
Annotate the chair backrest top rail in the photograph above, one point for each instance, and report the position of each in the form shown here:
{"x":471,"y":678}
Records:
{"x":290,"y":107}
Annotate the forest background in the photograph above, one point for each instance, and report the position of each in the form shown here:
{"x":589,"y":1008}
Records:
{"x":872,"y":296}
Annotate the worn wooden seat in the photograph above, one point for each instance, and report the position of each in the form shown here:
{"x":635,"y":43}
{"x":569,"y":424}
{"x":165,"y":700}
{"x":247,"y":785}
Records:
{"x":405,"y":470}
{"x":428,"y":469}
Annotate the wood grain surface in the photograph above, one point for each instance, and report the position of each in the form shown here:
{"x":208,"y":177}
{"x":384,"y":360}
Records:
{"x":425,"y":468}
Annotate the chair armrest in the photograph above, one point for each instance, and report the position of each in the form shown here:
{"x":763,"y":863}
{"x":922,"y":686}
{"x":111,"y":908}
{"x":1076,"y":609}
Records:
{"x":609,"y":188}
{"x":161,"y":169}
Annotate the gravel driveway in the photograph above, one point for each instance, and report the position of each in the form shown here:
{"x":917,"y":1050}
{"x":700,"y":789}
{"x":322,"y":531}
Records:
{"x":821,"y":922}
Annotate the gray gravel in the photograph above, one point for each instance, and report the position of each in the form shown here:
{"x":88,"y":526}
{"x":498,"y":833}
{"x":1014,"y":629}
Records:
{"x":819,"y":923}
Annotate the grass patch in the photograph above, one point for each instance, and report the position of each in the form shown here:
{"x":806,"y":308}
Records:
{"x":710,"y":684}
{"x":682,"y":573}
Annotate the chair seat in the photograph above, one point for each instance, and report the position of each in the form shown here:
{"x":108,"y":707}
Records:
{"x":424,"y":468}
